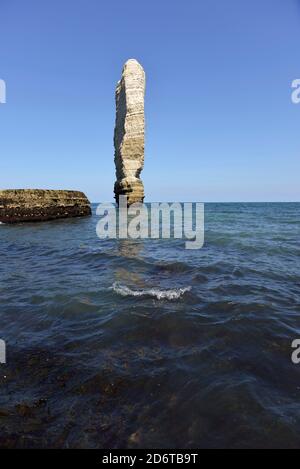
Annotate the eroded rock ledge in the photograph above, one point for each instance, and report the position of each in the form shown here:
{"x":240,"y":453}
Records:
{"x":31,"y":205}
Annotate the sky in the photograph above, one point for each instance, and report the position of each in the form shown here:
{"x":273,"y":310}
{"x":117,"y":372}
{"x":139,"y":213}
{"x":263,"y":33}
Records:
{"x":220,"y":122}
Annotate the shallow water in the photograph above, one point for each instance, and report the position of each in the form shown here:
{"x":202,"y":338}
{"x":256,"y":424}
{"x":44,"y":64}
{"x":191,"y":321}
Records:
{"x":145,"y":344}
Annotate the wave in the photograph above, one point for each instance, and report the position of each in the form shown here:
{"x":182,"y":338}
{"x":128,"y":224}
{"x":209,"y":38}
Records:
{"x":173,"y":294}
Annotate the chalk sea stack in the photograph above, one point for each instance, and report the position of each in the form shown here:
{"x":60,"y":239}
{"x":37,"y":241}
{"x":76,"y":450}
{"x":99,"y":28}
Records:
{"x":31,"y":205}
{"x":129,"y":136}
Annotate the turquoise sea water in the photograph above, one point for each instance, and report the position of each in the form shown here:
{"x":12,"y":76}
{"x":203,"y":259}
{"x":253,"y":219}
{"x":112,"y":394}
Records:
{"x":144,"y":344}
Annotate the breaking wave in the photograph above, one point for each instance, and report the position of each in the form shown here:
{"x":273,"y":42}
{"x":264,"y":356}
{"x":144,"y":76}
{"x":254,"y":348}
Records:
{"x":173,"y":294}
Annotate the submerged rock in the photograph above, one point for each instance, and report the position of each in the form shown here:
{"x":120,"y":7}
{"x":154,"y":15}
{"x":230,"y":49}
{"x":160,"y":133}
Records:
{"x":28,"y":205}
{"x":129,"y":137}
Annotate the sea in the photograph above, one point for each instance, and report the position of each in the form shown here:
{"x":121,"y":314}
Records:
{"x":144,"y":344}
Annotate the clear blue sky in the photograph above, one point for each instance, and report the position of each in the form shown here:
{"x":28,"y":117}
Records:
{"x":220,"y":122}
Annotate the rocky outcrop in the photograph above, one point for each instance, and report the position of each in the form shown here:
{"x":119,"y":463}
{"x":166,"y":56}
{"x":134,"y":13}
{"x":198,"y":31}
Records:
{"x":129,"y":137}
{"x":41,"y":205}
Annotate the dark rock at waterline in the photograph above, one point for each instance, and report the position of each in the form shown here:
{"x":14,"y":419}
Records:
{"x":33,"y":205}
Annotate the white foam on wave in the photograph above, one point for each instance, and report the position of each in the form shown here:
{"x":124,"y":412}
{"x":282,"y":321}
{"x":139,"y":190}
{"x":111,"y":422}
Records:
{"x":173,"y":294}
